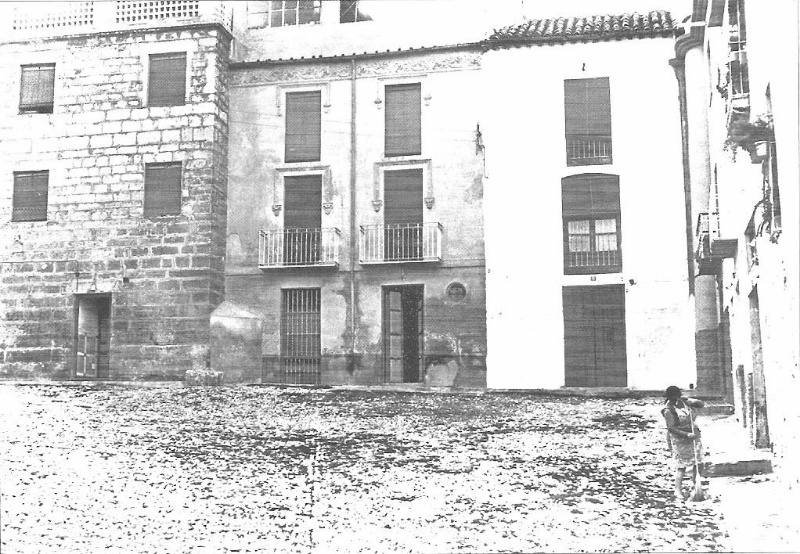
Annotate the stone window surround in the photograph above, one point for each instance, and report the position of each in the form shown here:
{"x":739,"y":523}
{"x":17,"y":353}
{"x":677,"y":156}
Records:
{"x":323,"y":86}
{"x":188,"y":46}
{"x":406,"y":79}
{"x":403,"y":162}
{"x":301,"y":169}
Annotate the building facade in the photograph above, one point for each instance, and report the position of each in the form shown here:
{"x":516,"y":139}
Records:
{"x":355,"y":215}
{"x":740,"y":67}
{"x":113,"y":164}
{"x":587,"y":279}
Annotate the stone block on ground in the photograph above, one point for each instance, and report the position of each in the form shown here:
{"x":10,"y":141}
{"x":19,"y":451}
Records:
{"x":202,"y":378}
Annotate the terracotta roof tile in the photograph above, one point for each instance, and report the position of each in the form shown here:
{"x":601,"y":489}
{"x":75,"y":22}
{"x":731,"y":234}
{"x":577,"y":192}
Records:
{"x":593,"y":28}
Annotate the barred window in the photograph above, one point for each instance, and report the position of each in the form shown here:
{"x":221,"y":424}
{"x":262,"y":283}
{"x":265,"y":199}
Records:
{"x":29,"y":202}
{"x":36,"y":88}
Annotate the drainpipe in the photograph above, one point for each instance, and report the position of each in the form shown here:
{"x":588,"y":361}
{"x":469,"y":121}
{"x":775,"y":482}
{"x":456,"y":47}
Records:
{"x":353,"y":228}
{"x":678,"y":64}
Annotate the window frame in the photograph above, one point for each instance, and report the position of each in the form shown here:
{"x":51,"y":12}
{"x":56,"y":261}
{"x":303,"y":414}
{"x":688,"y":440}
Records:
{"x":15,"y":211}
{"x":396,"y":152}
{"x":605,"y":141}
{"x":592,"y":219}
{"x":287,"y":94}
{"x":151,"y":81}
{"x":39,"y":107}
{"x":265,"y":13}
{"x":151,"y":213}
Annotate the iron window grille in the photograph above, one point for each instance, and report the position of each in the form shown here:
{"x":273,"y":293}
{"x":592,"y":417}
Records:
{"x":301,"y":352}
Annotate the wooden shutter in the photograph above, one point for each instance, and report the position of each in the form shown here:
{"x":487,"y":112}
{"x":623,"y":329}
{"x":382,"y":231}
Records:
{"x":30,"y":196}
{"x":403,"y":120}
{"x":302,"y":198}
{"x":167,"y":85}
{"x":162,"y":189}
{"x":402,"y":191}
{"x":590,"y":195}
{"x":594,"y":336}
{"x":36,"y":88}
{"x":303,"y":126}
{"x":587,"y":104}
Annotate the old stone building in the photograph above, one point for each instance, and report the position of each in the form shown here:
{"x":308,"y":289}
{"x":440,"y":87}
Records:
{"x":113,"y":163}
{"x":355,"y":227}
{"x":739,"y":71}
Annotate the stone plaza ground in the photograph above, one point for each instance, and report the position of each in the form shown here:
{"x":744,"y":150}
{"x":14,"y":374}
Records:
{"x":107,"y":468}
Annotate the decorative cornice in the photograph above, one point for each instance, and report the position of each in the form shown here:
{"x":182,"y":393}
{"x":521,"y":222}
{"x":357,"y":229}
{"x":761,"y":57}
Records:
{"x":303,"y":71}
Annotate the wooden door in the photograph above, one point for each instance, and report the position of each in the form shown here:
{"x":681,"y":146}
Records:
{"x":393,"y":334}
{"x":594,"y":336}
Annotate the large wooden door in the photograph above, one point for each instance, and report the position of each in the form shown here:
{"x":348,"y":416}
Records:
{"x":594,"y":336}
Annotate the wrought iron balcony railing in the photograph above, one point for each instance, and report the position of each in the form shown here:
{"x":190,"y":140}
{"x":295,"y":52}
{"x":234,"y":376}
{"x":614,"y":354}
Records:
{"x":298,"y":248}
{"x":707,"y":231}
{"x":37,"y":19}
{"x":602,"y":259}
{"x":588,"y":150}
{"x":408,"y":242}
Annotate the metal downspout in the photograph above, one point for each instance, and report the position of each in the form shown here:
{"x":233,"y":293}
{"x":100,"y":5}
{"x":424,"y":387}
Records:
{"x":353,"y":228}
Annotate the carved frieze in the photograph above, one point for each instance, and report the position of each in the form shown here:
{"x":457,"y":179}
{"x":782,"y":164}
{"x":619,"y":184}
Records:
{"x":422,"y":63}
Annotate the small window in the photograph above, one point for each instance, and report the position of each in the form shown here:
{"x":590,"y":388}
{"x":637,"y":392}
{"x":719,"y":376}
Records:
{"x":36,"y":88}
{"x":587,"y":106}
{"x":303,"y":126}
{"x":350,"y":12}
{"x":403,"y":120}
{"x":167,"y":79}
{"x":162,"y":189}
{"x":30,"y":196}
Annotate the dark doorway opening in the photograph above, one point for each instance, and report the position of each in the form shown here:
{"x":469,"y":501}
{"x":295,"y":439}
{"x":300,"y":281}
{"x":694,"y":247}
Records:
{"x":92,"y":335}
{"x":403,"y":348}
{"x":594,"y":336}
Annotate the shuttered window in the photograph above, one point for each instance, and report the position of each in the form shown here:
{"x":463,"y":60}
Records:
{"x":403,"y":216}
{"x":303,"y":126}
{"x":30,"y":196}
{"x":587,"y":107}
{"x":403,"y":120}
{"x":591,"y":211}
{"x":36,"y":88}
{"x":167,"y":79}
{"x":162,"y":189}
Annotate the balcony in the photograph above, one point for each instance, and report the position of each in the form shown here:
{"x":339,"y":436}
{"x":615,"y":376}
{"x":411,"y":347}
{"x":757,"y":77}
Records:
{"x":408,"y":242}
{"x":46,"y":19}
{"x":588,"y":150}
{"x":603,"y":261}
{"x":711,"y":249}
{"x":280,"y":248}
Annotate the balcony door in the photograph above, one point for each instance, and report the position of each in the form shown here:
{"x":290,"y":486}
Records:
{"x":302,"y":219}
{"x":403,"y":333}
{"x":403,"y":214}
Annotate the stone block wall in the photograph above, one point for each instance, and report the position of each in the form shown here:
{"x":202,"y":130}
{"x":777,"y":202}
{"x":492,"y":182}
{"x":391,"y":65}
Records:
{"x":164,"y":274}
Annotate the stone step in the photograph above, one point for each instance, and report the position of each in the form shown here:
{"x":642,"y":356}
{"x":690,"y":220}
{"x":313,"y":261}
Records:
{"x":736,"y":468}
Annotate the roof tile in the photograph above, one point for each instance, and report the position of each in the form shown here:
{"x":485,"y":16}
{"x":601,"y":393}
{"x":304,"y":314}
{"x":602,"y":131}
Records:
{"x":592,"y":28}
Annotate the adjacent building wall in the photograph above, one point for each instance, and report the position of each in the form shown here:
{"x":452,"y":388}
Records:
{"x":164,"y":274}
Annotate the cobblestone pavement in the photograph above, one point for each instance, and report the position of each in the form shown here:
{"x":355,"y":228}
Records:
{"x":261,"y":469}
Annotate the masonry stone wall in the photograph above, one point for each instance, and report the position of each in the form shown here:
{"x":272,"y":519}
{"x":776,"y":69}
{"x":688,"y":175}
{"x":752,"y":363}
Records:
{"x":164,"y":274}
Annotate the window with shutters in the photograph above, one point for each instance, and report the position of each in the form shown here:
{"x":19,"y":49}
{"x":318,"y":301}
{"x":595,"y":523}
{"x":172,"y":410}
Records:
{"x":591,"y":214}
{"x":587,"y":107}
{"x":29,"y":202}
{"x":302,"y":219}
{"x":283,"y":13}
{"x":403,"y":132}
{"x":162,"y":189}
{"x":303,"y":126}
{"x":167,"y":79}
{"x":403,"y":214}
{"x":36,"y":88}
